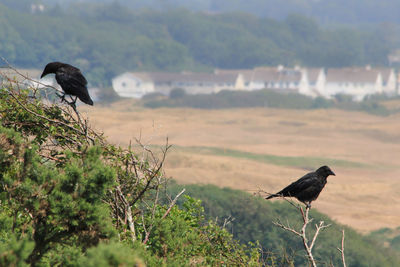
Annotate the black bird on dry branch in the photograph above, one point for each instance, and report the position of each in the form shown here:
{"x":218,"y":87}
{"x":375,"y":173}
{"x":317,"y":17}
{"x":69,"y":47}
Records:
{"x":71,"y":81}
{"x":308,"y":187}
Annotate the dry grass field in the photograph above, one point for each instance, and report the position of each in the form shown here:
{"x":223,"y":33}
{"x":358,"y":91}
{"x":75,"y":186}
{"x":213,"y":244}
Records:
{"x":252,"y":149}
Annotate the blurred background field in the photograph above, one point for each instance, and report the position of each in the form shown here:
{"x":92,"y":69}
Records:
{"x":261,"y":148}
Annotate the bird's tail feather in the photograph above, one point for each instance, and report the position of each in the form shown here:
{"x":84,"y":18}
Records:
{"x":86,"y":99}
{"x":272,"y":196}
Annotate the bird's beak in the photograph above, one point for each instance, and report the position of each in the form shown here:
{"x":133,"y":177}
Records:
{"x":43,"y":74}
{"x":332,"y":173}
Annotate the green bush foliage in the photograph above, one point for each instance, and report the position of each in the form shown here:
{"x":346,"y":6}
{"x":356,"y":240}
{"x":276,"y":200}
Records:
{"x":55,"y":205}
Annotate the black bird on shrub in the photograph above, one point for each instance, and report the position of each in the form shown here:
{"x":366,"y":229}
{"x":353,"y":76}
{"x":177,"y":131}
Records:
{"x":308,"y":187}
{"x":71,"y":81}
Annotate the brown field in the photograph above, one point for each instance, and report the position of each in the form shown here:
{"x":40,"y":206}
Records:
{"x":252,"y":149}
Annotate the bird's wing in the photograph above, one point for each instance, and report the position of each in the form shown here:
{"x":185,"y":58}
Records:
{"x":74,"y":83}
{"x":71,"y":80}
{"x":303,"y":183}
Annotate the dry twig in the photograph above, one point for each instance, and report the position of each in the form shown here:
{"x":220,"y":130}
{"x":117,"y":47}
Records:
{"x":341,"y":250}
{"x":173,"y":203}
{"x":27,"y":77}
{"x":308,"y":246}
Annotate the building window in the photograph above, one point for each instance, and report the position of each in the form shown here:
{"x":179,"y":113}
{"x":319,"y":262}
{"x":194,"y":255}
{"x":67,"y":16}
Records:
{"x":123,"y":84}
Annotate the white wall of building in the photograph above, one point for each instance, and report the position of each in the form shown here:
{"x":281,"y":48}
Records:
{"x":137,"y":85}
{"x":127,"y":85}
{"x":357,"y":90}
{"x":390,"y":87}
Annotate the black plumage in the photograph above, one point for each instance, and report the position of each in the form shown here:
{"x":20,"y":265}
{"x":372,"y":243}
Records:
{"x":71,"y":81}
{"x":308,"y":187}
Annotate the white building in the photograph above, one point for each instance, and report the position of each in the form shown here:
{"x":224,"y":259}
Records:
{"x":313,"y":82}
{"x":389,"y":80}
{"x":134,"y":85}
{"x":277,"y":78}
{"x":137,"y":84}
{"x":357,"y":82}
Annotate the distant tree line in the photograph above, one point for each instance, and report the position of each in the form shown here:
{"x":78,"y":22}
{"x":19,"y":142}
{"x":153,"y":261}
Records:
{"x":105,"y":40}
{"x":326,"y":11}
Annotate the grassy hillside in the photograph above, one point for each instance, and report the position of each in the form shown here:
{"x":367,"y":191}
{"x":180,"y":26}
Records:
{"x":251,"y":220}
{"x":387,"y":237}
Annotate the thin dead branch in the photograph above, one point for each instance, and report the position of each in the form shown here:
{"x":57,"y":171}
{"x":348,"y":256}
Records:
{"x":341,"y":250}
{"x":173,"y":203}
{"x":48,"y":119}
{"x":128,"y":213}
{"x":155,"y":172}
{"x":27,"y":77}
{"x":308,"y":246}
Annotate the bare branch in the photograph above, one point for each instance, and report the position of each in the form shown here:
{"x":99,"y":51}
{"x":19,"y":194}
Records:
{"x":173,"y":203}
{"x":153,"y":212}
{"x":262,"y":193}
{"x":48,"y":119}
{"x":28,"y":78}
{"x":154,"y":174}
{"x":318,"y":228}
{"x":308,"y":246}
{"x":287,"y":228}
{"x":341,"y":250}
{"x":128,"y":213}
{"x":228,"y":221}
{"x":144,"y":224}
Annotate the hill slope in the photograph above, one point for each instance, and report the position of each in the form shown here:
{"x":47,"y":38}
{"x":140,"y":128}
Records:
{"x":251,"y":220}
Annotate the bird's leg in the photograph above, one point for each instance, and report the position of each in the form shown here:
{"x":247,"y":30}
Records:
{"x":62,"y":97}
{"x":65,"y":100}
{"x":74,"y":106}
{"x":307,"y":203}
{"x":73,"y":102}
